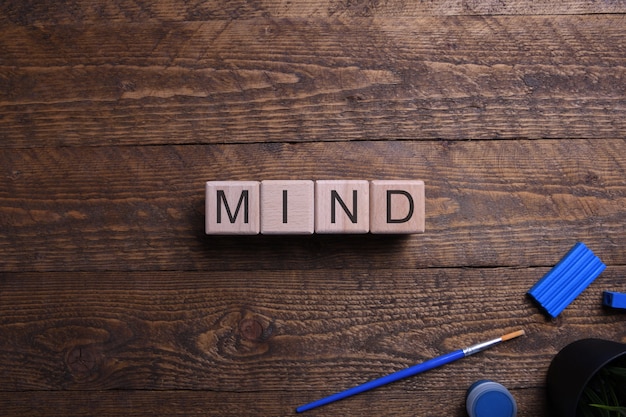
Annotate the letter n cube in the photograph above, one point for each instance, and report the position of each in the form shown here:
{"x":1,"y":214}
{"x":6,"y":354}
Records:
{"x":342,"y":206}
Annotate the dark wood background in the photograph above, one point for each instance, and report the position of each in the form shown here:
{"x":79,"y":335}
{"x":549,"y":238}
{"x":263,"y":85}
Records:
{"x":113,"y":114}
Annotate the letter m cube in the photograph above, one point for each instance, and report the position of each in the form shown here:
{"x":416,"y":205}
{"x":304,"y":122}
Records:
{"x":232,"y":208}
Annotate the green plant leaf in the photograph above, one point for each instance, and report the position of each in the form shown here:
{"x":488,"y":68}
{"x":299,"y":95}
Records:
{"x":605,"y":394}
{"x":621,"y":411}
{"x":616,"y":371}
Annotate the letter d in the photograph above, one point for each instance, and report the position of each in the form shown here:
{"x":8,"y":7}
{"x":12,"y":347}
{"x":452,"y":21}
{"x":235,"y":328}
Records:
{"x":411,"y":206}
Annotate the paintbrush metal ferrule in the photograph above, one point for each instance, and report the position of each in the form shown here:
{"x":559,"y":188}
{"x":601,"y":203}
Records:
{"x":479,"y":347}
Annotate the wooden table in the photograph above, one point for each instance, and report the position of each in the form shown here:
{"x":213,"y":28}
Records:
{"x":113,"y":114}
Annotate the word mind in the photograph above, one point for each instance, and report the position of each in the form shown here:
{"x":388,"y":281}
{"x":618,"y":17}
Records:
{"x":306,"y":207}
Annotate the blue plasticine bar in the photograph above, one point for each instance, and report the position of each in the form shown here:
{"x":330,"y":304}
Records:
{"x":614,"y":299}
{"x":563,"y":283}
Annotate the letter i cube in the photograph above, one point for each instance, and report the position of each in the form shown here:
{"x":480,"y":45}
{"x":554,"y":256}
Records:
{"x":287,"y":207}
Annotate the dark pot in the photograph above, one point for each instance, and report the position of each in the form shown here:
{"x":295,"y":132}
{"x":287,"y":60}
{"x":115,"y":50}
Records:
{"x":573,"y":367}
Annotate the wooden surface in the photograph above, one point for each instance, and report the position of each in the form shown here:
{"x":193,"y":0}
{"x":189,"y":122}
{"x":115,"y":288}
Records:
{"x":113,"y":115}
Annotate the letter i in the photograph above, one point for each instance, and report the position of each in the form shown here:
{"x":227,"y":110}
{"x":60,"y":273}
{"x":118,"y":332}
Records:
{"x":284,"y":206}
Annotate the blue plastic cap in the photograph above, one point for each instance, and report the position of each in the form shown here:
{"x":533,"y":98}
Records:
{"x":614,"y":299}
{"x":563,"y":283}
{"x":490,"y":399}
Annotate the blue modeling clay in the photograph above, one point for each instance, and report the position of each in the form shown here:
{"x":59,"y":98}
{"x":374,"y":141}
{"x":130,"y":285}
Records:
{"x":563,"y":283}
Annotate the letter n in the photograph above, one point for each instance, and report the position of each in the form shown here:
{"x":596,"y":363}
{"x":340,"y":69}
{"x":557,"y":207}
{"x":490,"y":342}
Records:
{"x":334,"y":197}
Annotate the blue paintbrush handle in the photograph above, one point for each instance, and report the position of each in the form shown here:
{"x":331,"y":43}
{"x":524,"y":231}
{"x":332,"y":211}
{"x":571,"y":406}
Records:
{"x":387,"y":379}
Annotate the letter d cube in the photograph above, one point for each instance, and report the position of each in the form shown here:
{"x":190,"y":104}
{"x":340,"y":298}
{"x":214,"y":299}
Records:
{"x":397,"y":206}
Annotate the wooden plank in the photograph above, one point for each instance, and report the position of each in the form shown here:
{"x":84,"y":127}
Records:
{"x":115,"y":403}
{"x":488,"y":203}
{"x":282,"y":331}
{"x":269,"y":80}
{"x":83,"y":11}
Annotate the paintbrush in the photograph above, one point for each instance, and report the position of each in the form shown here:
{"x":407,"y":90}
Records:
{"x":413,"y":370}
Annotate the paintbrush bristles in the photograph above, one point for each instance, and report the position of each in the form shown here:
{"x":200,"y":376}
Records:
{"x":513,"y":335}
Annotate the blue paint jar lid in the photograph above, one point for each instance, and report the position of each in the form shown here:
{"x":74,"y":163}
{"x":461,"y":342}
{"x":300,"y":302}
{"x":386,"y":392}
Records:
{"x":489,"y":399}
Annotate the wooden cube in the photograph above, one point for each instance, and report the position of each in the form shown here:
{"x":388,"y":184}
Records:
{"x":287,"y":207}
{"x":342,"y":206}
{"x":397,"y":206}
{"x":232,"y":207}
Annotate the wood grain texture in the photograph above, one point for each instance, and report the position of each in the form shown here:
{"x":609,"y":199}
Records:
{"x":277,"y":80}
{"x":279,"y":330}
{"x":83,"y":11}
{"x":205,"y":403}
{"x":488,"y":203}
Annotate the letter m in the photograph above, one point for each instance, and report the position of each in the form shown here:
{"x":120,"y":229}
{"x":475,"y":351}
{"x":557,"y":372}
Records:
{"x":243,"y":200}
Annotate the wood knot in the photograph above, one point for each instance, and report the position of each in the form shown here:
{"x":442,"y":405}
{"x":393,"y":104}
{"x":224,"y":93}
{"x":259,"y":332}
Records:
{"x":83,"y":362}
{"x":354,"y":98}
{"x":591,"y":178}
{"x":14,"y":175}
{"x":251,"y":329}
